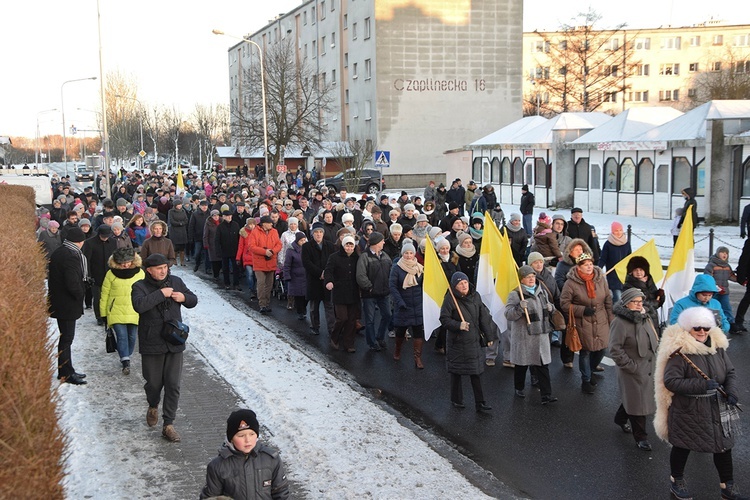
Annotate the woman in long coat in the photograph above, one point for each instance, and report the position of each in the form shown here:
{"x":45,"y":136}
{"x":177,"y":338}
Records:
{"x":529,"y":339}
{"x":295,"y":275}
{"x":341,"y":279}
{"x":632,"y":346}
{"x":465,"y":347}
{"x":405,"y":283}
{"x":178,"y":219}
{"x":587,"y":291}
{"x":691,"y":414}
{"x":209,"y":242}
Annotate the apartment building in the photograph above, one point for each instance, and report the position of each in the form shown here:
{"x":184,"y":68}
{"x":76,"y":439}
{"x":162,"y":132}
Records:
{"x":661,"y":66}
{"x":415,"y":78}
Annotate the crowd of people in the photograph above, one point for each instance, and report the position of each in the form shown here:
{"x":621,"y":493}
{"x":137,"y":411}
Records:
{"x":361,"y":260}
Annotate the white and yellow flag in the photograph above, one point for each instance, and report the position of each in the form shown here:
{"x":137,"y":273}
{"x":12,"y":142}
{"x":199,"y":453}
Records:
{"x":434,"y":288}
{"x":681,"y":271}
{"x":485,"y":272}
{"x":647,"y":251}
{"x":506,"y":281}
{"x":180,"y":182}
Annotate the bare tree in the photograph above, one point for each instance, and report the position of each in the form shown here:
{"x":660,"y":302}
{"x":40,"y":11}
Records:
{"x":725,"y":77}
{"x":210,"y":123}
{"x":353,"y":157}
{"x":153,"y":126}
{"x":122,"y":115}
{"x":296,"y":100}
{"x":173,"y":125}
{"x":580,"y":66}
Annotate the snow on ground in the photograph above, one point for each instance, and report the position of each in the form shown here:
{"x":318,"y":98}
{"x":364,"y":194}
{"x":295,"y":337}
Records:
{"x":335,"y":440}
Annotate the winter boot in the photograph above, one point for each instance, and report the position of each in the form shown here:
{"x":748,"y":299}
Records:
{"x":730,"y":492}
{"x":170,"y":433}
{"x":418,"y":343}
{"x":181,"y":257}
{"x":126,"y":367}
{"x":679,"y":489}
{"x":399,"y":345}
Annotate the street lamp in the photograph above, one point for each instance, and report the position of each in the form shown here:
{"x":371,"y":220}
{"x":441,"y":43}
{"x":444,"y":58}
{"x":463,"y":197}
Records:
{"x":62,"y":109}
{"x":262,"y":91}
{"x":140,"y":116}
{"x":38,"y":152}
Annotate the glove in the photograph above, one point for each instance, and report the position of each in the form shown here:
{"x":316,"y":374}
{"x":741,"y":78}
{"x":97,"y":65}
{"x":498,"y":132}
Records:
{"x":104,"y":318}
{"x":524,"y":304}
{"x":589,"y":311}
{"x":464,"y":326}
{"x":711,"y":385}
{"x":550,"y":307}
{"x":732,"y":400}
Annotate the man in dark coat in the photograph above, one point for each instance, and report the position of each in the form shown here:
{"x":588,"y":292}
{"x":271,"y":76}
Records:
{"x":158,"y":298}
{"x":68,"y":272}
{"x":690,"y":207}
{"x":527,"y":208}
{"x":315,"y":255}
{"x":195,"y":234}
{"x":579,"y":228}
{"x":457,"y":194}
{"x":340,"y":278}
{"x":97,"y":251}
{"x":373,"y":272}
{"x":227,"y":241}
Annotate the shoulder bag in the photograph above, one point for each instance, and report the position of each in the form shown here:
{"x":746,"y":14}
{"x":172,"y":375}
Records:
{"x":110,"y":341}
{"x":572,"y":340}
{"x":556,"y":318}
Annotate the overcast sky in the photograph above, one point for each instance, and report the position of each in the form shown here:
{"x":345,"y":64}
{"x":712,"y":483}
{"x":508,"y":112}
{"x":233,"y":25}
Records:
{"x":168,"y":47}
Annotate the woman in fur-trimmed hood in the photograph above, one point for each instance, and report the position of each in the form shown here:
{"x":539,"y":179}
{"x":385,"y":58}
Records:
{"x":690,"y":412}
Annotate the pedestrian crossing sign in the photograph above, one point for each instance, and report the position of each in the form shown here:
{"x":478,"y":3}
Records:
{"x":382,"y":159}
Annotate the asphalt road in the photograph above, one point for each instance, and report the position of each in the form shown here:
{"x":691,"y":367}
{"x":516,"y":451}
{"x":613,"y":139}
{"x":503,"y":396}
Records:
{"x":571,"y":449}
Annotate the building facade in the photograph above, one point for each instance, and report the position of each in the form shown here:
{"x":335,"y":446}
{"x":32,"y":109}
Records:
{"x":669,"y":66}
{"x":414,"y":79}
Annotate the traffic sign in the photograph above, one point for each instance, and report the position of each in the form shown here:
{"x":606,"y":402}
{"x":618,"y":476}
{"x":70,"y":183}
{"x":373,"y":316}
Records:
{"x":382,"y":159}
{"x":142,"y":153}
{"x":281,"y":168}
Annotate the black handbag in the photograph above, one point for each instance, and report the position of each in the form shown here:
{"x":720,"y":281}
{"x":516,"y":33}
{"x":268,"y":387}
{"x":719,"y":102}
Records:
{"x":175,"y":332}
{"x":110,"y":340}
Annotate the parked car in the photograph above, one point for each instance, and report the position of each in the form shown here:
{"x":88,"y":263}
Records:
{"x":83,"y":173}
{"x":366,"y":182}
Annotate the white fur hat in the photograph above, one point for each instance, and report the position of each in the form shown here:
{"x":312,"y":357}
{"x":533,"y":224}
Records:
{"x":696,"y":316}
{"x":348,"y":239}
{"x":347,"y":218}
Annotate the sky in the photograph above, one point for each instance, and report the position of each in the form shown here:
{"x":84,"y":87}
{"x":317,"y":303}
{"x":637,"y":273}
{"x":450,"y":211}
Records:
{"x":168,"y":48}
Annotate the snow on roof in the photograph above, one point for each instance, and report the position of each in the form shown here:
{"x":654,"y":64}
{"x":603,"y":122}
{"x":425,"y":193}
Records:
{"x":226,"y":151}
{"x":627,"y":125}
{"x":692,"y":125}
{"x":544,"y":133}
{"x":507,"y":133}
{"x":328,"y":149}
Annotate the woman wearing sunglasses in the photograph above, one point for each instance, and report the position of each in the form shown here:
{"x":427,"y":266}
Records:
{"x":694,"y":413}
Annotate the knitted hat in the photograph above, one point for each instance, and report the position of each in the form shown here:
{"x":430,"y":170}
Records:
{"x":525,"y":187}
{"x":318,"y":226}
{"x":630,"y":294}
{"x":422,"y":218}
{"x":292,"y":220}
{"x":123,"y":255}
{"x":515,"y":216}
{"x":616,"y":226}
{"x":214,"y":212}
{"x":225,"y":210}
{"x":545,"y":219}
{"x":53,"y":224}
{"x":122,"y":202}
{"x":117,"y":225}
{"x":524,"y":271}
{"x":458,"y":277}
{"x":461,"y":236}
{"x":154,"y":260}
{"x":347,"y":218}
{"x":442,"y":242}
{"x":696,"y":316}
{"x":266,"y":219}
{"x":299,"y":236}
{"x":533,"y":257}
{"x":409,"y":206}
{"x":104,"y":230}
{"x":453,"y":206}
{"x":396,"y":228}
{"x":408,"y":246}
{"x":75,"y":235}
{"x":348,"y":239}
{"x":84,"y":222}
{"x":375,"y":238}
{"x":241,"y":420}
{"x":722,"y":249}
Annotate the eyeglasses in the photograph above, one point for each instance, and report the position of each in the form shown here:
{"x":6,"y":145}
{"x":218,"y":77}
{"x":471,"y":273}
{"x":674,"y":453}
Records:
{"x":703,"y":328}
{"x":636,"y":301}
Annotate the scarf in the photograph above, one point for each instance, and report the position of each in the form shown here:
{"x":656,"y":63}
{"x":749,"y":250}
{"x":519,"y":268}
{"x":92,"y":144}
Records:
{"x":530,"y":289}
{"x":618,"y":242}
{"x":444,"y":258}
{"x":413,"y":271}
{"x":421,"y":232}
{"x":466,"y":252}
{"x":513,"y":228}
{"x":84,"y":262}
{"x":476,"y":233}
{"x":588,"y":279}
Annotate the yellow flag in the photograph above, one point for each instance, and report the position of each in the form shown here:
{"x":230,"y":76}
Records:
{"x":434,"y":287}
{"x":648,"y":252}
{"x":507,"y":270}
{"x":180,"y":182}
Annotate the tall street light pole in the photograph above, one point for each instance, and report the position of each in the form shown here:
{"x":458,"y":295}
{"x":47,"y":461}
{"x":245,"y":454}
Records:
{"x":103,"y":95}
{"x":262,"y":92}
{"x":62,"y":110}
{"x":140,"y":116}
{"x":38,"y":152}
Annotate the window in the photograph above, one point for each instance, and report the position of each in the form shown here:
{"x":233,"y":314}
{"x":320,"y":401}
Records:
{"x":476,"y":168}
{"x":333,"y":77}
{"x":322,"y":46}
{"x":333,"y":39}
{"x":304,"y":52}
{"x":368,"y":110}
{"x":354,"y":31}
{"x":323,"y":80}
{"x":539,"y":73}
{"x":746,"y":178}
{"x":613,"y":44}
{"x":700,"y":175}
{"x":642,"y":44}
{"x":742,"y":40}
{"x":313,"y":15}
{"x":495,"y":171}
{"x":718,"y":40}
{"x":596,"y":176}
{"x":741,"y":67}
{"x":346,"y":96}
{"x":333,"y":5}
{"x":610,"y":172}
{"x":582,"y":173}
{"x":693,"y":67}
{"x":563,"y":70}
{"x":304,"y":18}
{"x":662,"y":178}
{"x":322,"y":10}
{"x":346,"y":21}
{"x":695,"y":41}
{"x":540,"y":46}
{"x":368,"y":69}
{"x":646,"y":176}
{"x":642,"y":70}
{"x":505,"y":171}
{"x":610,"y":70}
{"x":672,"y":42}
{"x":681,"y":174}
{"x":672,"y":69}
{"x":355,"y":110}
{"x":562,"y":46}
{"x":346,"y":59}
{"x":669,"y":95}
{"x":609,"y":96}
{"x":540,"y":172}
{"x":638,"y":96}
{"x":692,"y":93}
{"x":716,"y":66}
{"x":354,"y":71}
{"x":367,"y":28}
{"x":517,"y":171}
{"x":627,"y":175}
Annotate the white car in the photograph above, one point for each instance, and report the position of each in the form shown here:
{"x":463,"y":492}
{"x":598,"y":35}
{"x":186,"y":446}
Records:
{"x":83,"y":173}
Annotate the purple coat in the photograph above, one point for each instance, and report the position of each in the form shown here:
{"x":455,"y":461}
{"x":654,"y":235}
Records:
{"x":294,"y":271}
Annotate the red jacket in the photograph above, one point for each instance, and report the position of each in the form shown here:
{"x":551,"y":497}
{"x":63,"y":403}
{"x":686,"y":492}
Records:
{"x":244,"y":255}
{"x":260,"y":241}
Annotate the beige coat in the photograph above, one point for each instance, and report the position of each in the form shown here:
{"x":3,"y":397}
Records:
{"x":632,"y":346}
{"x":593,"y":330}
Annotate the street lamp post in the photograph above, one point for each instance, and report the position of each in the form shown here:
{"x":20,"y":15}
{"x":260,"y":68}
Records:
{"x":140,"y":116}
{"x":262,"y":92}
{"x":62,"y":110}
{"x":38,"y":152}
